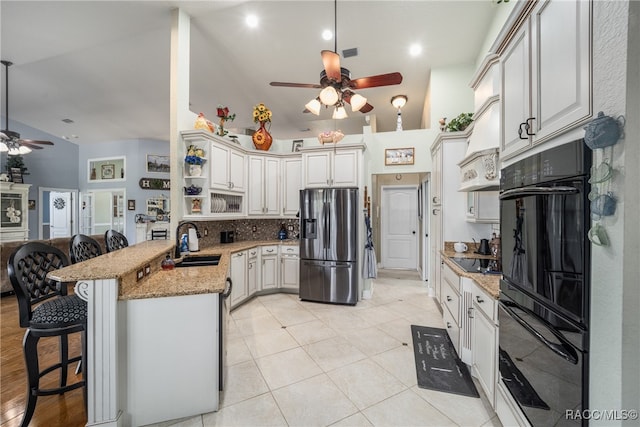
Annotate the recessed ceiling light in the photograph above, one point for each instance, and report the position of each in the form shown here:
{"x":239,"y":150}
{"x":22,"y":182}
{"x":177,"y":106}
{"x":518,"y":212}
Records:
{"x":327,"y":34}
{"x":415,"y":49}
{"x":252,"y":21}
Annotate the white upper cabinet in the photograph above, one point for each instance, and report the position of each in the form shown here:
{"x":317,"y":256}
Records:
{"x":264,"y":185}
{"x":291,"y":185}
{"x":331,"y":168}
{"x":546,"y":75}
{"x":227,"y":168}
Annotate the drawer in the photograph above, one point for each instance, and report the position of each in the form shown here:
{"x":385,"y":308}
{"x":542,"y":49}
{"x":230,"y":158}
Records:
{"x":485,"y":303}
{"x":450,"y":276}
{"x":451,"y":300}
{"x":289,"y":250}
{"x":269,"y":250}
{"x":253,"y":252}
{"x":452,"y":329}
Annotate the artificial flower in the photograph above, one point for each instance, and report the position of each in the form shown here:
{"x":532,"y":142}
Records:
{"x":261,"y":113}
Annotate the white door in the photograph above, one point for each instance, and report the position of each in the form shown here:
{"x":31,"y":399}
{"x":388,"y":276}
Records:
{"x":61,"y":214}
{"x":399,"y":239}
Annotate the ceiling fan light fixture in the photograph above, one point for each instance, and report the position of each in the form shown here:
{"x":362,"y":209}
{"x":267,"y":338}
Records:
{"x":314,"y":106}
{"x":329,"y":95}
{"x":357,"y":102}
{"x":399,"y":101}
{"x":339,"y":113}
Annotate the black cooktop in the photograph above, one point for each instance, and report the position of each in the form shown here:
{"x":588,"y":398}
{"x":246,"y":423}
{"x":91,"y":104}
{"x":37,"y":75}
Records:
{"x":477,"y":265}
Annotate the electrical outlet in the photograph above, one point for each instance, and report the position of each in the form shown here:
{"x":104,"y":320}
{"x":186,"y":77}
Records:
{"x":254,"y":228}
{"x":290,"y":227}
{"x":139,"y":275}
{"x":206,"y":232}
{"x":147,"y":269}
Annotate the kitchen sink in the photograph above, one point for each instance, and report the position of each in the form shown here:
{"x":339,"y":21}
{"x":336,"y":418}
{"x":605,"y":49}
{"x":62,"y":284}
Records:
{"x":198,"y":260}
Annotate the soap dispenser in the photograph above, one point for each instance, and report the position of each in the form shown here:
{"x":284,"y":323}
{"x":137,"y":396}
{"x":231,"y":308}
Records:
{"x":184,"y":244}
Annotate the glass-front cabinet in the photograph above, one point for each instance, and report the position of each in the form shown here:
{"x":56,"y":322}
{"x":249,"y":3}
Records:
{"x":14,"y":221}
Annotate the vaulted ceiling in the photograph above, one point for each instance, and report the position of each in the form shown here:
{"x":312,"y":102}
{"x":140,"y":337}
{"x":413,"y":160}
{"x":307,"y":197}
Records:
{"x":105,"y":65}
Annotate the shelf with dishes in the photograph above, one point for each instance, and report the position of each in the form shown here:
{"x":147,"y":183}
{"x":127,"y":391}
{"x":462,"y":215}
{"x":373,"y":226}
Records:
{"x":222,"y":203}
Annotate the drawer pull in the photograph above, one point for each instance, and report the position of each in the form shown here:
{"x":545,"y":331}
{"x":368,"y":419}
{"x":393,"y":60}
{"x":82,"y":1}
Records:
{"x":470,"y":312}
{"x":449,"y":298}
{"x":480,"y":300}
{"x":448,"y":325}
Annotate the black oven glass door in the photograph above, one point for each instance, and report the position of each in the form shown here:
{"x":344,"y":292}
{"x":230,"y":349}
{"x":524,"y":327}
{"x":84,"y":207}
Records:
{"x":543,"y":230}
{"x":540,"y":365}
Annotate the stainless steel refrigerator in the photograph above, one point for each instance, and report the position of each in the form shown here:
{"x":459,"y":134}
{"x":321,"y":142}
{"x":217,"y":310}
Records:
{"x":328,"y":245}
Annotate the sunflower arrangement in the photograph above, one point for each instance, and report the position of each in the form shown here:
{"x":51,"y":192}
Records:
{"x":261,"y":113}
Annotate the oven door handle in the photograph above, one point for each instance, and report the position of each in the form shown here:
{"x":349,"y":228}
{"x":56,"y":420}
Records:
{"x":537,"y":191}
{"x":564,"y":349}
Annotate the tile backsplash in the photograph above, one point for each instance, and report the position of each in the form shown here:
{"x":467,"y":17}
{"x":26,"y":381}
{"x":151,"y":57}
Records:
{"x":245,"y":229}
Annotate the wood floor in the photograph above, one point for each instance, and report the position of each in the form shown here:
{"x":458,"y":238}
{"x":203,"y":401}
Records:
{"x":59,"y":410}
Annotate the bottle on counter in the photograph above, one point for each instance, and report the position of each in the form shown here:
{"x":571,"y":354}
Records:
{"x":184,"y":244}
{"x":283,"y":234}
{"x":168,"y":263}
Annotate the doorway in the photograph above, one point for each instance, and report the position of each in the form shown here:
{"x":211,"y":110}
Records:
{"x":399,"y":220}
{"x":58,"y":212}
{"x":102,"y":210}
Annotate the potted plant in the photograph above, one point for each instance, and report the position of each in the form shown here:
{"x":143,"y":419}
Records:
{"x":460,"y":123}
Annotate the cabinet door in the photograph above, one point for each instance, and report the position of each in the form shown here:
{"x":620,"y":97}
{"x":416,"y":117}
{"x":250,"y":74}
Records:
{"x":483,"y":207}
{"x":269,"y":272}
{"x":561,"y":46}
{"x":516,"y":93}
{"x":236,"y":170}
{"x":238,"y":277}
{"x":345,"y":169}
{"x":252,"y":276}
{"x":256,"y":185}
{"x":436,"y":177}
{"x":485,"y":341}
{"x":219,"y":167}
{"x":290,"y":268}
{"x":317,"y":169}
{"x":291,"y":183}
{"x":271,"y":198}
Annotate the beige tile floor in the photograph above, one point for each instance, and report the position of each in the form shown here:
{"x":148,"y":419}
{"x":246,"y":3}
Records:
{"x":293,"y":363}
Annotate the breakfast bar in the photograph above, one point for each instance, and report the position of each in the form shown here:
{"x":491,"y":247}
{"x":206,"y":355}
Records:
{"x":144,"y":323}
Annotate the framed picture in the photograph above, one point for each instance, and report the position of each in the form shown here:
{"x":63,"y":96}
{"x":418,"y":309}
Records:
{"x":108,"y":171}
{"x":131,"y":205}
{"x":297,"y":145}
{"x":32,"y":205}
{"x":158,"y":163}
{"x":398,"y":156}
{"x":16,"y":175}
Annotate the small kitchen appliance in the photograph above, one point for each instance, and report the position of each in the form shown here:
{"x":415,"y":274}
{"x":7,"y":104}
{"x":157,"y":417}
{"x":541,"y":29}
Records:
{"x":484,"y":249}
{"x":226,"y":236}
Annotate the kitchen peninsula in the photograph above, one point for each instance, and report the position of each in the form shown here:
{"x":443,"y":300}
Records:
{"x":143,"y":324}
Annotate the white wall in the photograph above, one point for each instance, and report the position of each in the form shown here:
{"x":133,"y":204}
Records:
{"x":451,"y":94}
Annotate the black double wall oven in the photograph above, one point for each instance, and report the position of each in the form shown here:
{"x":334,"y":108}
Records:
{"x":544,"y":298}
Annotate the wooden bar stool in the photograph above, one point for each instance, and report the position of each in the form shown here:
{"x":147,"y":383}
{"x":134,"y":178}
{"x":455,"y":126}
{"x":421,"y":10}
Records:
{"x":45,"y":310}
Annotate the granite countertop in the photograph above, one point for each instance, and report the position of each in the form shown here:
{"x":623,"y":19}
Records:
{"x":124,"y":263}
{"x":489,"y":282}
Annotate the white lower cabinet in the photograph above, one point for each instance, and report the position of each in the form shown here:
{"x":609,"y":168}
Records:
{"x":290,"y":268}
{"x":252,"y":272}
{"x":239,"y":290}
{"x":485,"y":360}
{"x":269,"y":267}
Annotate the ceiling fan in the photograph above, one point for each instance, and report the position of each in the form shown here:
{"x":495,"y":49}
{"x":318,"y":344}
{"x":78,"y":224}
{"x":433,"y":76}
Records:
{"x":10,"y":141}
{"x":337,"y":85}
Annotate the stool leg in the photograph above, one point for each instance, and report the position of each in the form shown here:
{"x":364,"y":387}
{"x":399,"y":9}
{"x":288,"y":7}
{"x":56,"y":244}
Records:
{"x":30,"y":346}
{"x":64,"y":359}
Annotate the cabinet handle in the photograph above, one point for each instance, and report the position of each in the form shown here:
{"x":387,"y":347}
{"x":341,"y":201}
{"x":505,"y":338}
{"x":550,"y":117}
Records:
{"x":529,"y":126}
{"x":435,"y":211}
{"x":448,"y":325}
{"x":269,"y":250}
{"x":470,"y":312}
{"x":448,"y":298}
{"x":250,"y":266}
{"x":480,"y":300}
{"x":520,"y":130}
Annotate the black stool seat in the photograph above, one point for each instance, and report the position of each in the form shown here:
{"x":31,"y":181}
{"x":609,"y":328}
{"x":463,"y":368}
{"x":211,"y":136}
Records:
{"x":60,"y":313}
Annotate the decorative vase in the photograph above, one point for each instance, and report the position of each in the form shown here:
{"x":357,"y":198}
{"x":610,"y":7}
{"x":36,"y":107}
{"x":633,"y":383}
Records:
{"x":195,"y":170}
{"x":262,"y":138}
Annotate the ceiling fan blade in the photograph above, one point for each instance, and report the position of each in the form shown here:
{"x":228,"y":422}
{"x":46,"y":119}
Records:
{"x":30,"y":145}
{"x":367,"y":107}
{"x":331,"y":62}
{"x":303,"y":85}
{"x":376,"y":81}
{"x":33,"y":141}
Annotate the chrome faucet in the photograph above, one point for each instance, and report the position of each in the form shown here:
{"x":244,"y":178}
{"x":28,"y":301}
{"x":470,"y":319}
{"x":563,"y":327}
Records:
{"x":180,"y":224}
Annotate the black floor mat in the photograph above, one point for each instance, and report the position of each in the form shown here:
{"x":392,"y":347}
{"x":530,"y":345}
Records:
{"x":437,"y":364}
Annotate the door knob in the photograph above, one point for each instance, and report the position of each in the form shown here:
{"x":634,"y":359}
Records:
{"x":414,"y":232}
